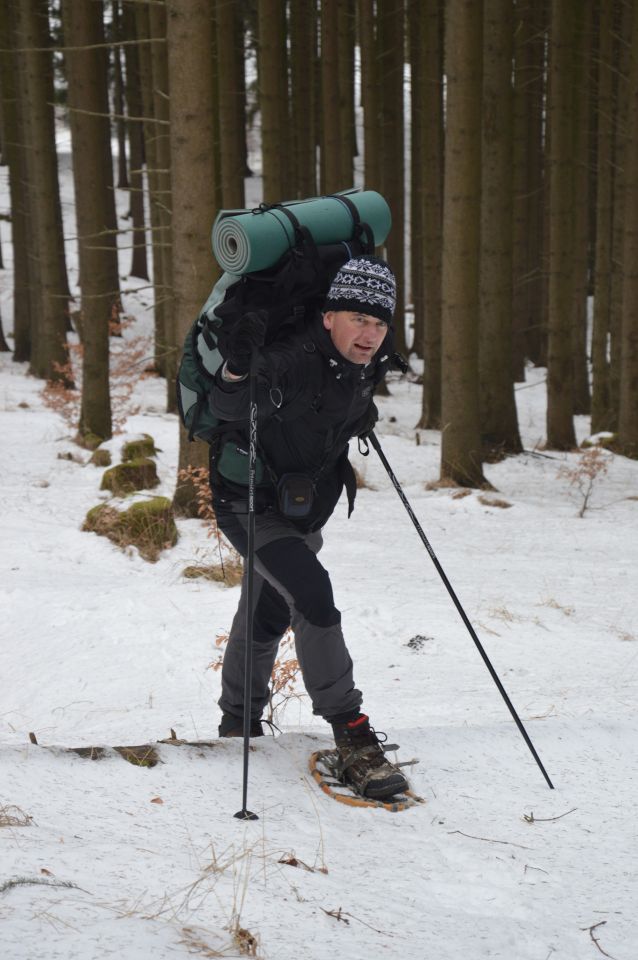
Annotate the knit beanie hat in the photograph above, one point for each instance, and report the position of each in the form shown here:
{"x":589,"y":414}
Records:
{"x":365,"y":285}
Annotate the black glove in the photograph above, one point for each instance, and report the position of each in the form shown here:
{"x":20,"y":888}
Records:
{"x":248,"y":334}
{"x":368,"y":422}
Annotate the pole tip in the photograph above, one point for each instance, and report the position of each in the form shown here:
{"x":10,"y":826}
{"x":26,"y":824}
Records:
{"x":245,"y":815}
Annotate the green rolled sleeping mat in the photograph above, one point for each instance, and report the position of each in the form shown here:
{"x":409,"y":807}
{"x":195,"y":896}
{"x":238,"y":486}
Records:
{"x":248,"y":240}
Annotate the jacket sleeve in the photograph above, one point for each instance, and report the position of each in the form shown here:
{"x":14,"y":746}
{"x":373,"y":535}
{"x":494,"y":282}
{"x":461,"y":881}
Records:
{"x":279,"y":379}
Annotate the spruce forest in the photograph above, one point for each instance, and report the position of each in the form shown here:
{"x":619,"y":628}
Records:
{"x":504,"y":136}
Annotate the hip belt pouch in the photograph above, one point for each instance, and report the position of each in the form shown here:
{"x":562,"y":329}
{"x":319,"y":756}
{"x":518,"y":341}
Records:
{"x":296,"y":494}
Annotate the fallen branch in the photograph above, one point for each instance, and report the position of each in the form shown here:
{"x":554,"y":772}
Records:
{"x":489,"y":840}
{"x":601,"y":923}
{"x":530,"y":818}
{"x":37,"y":881}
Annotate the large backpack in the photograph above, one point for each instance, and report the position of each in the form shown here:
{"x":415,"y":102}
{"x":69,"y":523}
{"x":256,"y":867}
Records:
{"x":289,"y":293}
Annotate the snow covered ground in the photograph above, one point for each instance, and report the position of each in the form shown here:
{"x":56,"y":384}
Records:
{"x":102,"y":858}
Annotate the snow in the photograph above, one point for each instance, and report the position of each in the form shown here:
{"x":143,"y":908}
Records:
{"x":100,"y":648}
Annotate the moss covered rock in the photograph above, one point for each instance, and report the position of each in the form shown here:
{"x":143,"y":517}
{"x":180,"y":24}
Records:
{"x":139,"y":449}
{"x":148,"y":525}
{"x":128,"y":477}
{"x":101,"y":457}
{"x":90,"y":441}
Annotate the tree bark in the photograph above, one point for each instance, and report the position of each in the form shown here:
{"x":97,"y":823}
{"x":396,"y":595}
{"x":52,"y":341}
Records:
{"x":536,"y":332}
{"x":303,"y":50}
{"x":390,"y":51}
{"x":623,"y":27}
{"x":139,"y":266}
{"x":50,"y":287}
{"x":118,"y":99}
{"x":192,"y":180}
{"x":600,"y":412}
{"x":370,"y":94}
{"x":331,"y":132}
{"x":560,"y":424}
{"x":432,"y":177}
{"x":155,"y":129}
{"x":231,"y":107}
{"x":15,"y":156}
{"x":93,"y":179}
{"x":628,"y":399}
{"x":273,"y":97}
{"x":167,"y":357}
{"x":461,"y":437}
{"x":581,"y":114}
{"x":499,"y":424}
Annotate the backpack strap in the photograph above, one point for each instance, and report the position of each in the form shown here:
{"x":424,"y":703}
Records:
{"x":360,"y":230}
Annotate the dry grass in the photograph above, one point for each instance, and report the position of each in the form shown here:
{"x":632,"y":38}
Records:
{"x":555,"y":605}
{"x":229,"y":572}
{"x":13,"y":816}
{"x":148,"y":525}
{"x":494,"y":502}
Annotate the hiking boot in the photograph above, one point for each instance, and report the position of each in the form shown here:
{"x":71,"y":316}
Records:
{"x":362,"y":762}
{"x":232,"y":726}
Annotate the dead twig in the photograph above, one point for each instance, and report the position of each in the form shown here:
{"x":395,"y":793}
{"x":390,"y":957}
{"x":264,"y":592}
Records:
{"x":601,"y":923}
{"x":37,"y":881}
{"x":530,"y":818}
{"x":489,"y":840}
{"x":340,"y":914}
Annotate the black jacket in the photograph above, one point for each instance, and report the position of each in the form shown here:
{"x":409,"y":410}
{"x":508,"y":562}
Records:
{"x":311,"y":401}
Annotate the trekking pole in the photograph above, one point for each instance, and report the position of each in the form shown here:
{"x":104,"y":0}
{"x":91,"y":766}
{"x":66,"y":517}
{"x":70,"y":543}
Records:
{"x":377,"y":446}
{"x":245,"y":813}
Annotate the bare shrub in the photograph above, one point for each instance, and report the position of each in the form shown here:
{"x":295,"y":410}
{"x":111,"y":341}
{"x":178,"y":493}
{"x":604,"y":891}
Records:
{"x":592,"y":464}
{"x":283,"y":679}
{"x":127,"y":365}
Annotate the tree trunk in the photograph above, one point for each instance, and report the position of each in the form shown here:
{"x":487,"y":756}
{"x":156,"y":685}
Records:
{"x":231,"y":107}
{"x":390,"y":51}
{"x":346,"y":25}
{"x":49,"y":320}
{"x":15,"y":155}
{"x":303,"y":49}
{"x":370,"y":94}
{"x":432,"y":174}
{"x":417,"y":37}
{"x":522,"y":202}
{"x":139,"y":267}
{"x":499,"y":424}
{"x":536,"y":333}
{"x":154,"y":130}
{"x":4,"y":346}
{"x":628,"y":405}
{"x":90,"y":132}
{"x":192,"y":180}
{"x":581,"y":113}
{"x":273,"y":97}
{"x":118,"y":99}
{"x":331,"y":133}
{"x":560,"y":424}
{"x":461,"y":437}
{"x":600,"y":412}
{"x":623,"y":27}
{"x":168,"y":357}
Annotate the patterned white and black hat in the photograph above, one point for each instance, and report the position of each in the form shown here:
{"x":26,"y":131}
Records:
{"x":364,"y":284}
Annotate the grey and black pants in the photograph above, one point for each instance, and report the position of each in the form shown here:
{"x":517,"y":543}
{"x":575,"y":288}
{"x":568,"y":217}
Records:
{"x":291,"y":588}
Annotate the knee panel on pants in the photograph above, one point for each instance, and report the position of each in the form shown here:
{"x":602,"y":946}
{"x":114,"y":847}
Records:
{"x":296,"y":568}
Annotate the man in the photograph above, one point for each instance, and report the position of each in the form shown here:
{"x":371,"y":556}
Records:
{"x":314,"y":394}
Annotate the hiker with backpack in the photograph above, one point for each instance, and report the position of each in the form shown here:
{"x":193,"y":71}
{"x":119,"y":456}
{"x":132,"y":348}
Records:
{"x":315,"y":388}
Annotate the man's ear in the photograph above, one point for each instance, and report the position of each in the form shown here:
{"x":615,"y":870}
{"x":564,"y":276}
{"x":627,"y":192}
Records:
{"x":327,"y":319}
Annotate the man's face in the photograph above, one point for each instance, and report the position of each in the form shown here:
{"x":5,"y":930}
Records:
{"x":356,"y":336}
